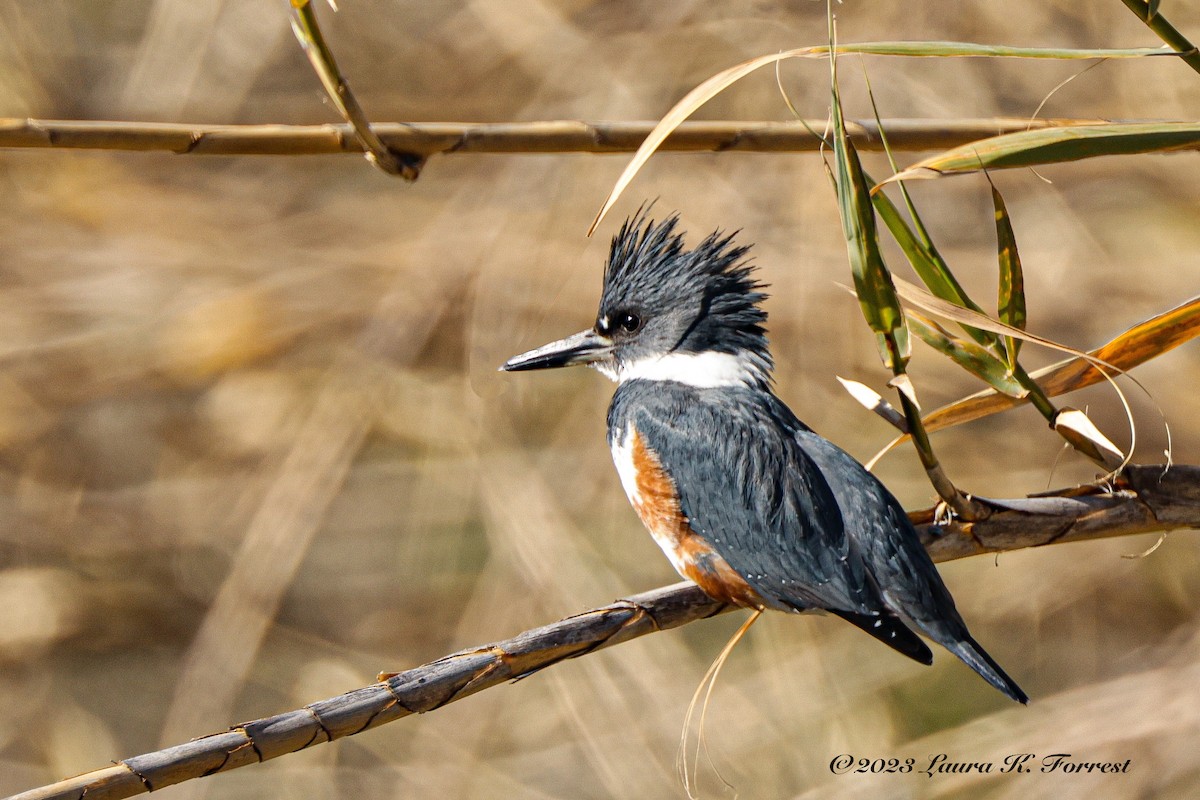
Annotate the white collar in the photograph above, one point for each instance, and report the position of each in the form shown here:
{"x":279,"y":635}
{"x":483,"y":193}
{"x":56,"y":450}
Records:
{"x":703,"y":370}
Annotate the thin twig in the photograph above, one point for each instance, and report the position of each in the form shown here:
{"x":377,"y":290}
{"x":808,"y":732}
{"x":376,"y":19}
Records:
{"x":550,"y":136}
{"x":394,"y":162}
{"x":965,"y":507}
{"x":1145,"y":499}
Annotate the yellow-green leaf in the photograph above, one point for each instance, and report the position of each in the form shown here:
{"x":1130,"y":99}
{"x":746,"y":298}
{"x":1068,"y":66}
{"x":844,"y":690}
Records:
{"x":1011,"y":294}
{"x":1055,"y":146}
{"x":1139,"y":344}
{"x":716,"y":84}
{"x":872,"y":280}
{"x":967,"y":354}
{"x":927,"y":262}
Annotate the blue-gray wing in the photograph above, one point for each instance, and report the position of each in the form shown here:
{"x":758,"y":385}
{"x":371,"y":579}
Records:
{"x":882,"y":532}
{"x":800,"y":520}
{"x":750,"y":490}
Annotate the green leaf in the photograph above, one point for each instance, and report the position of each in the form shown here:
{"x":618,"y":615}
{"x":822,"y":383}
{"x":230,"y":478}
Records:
{"x":1141,"y":343}
{"x":1055,"y":146}
{"x":872,"y":280}
{"x":1011,"y":294}
{"x":917,"y":244}
{"x":944,"y":49}
{"x":928,"y":263}
{"x":967,"y":354}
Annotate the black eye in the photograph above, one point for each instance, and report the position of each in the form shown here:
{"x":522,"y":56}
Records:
{"x":629,"y":322}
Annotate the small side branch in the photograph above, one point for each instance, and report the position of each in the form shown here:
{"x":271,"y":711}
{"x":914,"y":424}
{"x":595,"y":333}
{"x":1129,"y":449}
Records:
{"x":308,"y":33}
{"x":424,"y":139}
{"x":1145,"y":499}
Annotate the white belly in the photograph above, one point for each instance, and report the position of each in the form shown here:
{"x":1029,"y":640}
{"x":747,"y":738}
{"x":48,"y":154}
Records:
{"x":666,"y":536}
{"x":622,"y":453}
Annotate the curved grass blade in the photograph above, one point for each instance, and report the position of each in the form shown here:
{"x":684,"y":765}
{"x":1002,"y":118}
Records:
{"x":714,"y":85}
{"x":687,"y":106}
{"x":1068,"y":143}
{"x":1139,"y":344}
{"x":1010,"y":304}
{"x":922,"y":298}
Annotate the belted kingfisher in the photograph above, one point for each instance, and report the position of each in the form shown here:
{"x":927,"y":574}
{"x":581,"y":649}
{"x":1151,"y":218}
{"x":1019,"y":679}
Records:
{"x":743,"y":497}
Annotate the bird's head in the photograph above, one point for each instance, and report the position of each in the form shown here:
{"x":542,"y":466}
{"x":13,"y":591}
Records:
{"x":669,"y":313}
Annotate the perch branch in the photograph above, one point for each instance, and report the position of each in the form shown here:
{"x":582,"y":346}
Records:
{"x":1144,"y":499}
{"x":424,"y":139}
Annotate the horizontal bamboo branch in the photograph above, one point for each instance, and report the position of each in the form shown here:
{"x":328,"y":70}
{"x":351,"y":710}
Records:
{"x":1145,"y":499}
{"x":424,"y":139}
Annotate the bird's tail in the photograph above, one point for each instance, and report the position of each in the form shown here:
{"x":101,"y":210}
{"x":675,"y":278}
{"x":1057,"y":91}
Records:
{"x":977,"y":659}
{"x":892,"y":632}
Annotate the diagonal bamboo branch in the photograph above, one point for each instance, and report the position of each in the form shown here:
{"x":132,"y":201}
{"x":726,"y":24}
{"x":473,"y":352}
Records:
{"x":1145,"y":499}
{"x":424,"y":139}
{"x":308,"y":33}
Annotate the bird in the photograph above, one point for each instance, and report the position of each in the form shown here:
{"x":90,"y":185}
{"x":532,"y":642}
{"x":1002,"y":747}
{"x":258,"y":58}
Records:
{"x":744,"y":499}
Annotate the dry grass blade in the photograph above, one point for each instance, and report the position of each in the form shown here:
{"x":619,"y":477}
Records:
{"x":1097,"y":448}
{"x":689,"y":770}
{"x":678,"y":113}
{"x":924,"y":299}
{"x":722,"y":80}
{"x":871,"y":400}
{"x":1135,"y":346}
{"x":1082,"y":434}
{"x":308,"y":33}
{"x":1041,"y":147}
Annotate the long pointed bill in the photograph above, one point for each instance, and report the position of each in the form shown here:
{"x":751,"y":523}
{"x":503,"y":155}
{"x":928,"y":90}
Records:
{"x":585,"y":347}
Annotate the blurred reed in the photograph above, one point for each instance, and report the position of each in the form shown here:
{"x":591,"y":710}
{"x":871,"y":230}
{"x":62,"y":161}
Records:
{"x":171,"y":329}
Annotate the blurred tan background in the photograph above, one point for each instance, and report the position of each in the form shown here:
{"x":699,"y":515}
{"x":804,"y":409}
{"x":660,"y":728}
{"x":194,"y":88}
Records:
{"x":254,"y":447}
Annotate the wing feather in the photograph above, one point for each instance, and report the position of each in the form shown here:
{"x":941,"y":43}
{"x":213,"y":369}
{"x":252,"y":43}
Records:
{"x":750,"y":490}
